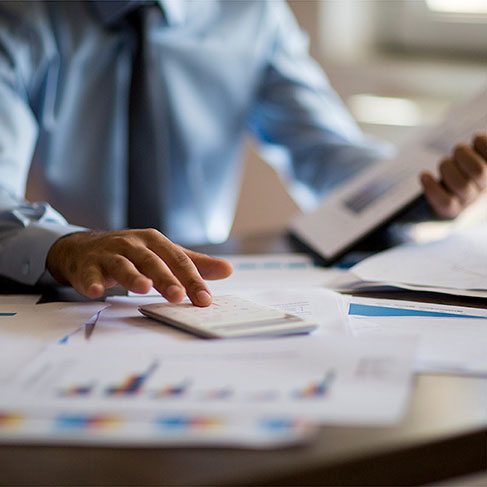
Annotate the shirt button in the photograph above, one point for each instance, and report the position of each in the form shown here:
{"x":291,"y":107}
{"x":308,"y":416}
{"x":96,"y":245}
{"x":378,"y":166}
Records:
{"x":25,"y":269}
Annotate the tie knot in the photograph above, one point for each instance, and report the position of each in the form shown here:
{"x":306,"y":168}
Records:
{"x":112,"y":13}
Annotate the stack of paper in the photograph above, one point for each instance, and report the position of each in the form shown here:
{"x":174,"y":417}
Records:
{"x":242,"y":392}
{"x":102,"y":373}
{"x":456,"y":265}
{"x":451,"y":339}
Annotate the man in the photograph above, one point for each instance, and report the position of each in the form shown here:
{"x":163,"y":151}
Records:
{"x":130,"y":115}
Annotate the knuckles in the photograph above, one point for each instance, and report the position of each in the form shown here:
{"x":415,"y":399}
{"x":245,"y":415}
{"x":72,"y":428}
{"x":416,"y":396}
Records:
{"x":149,"y":234}
{"x":120,"y":243}
{"x":180,"y":259}
{"x":468,"y":192}
{"x":145,"y":258}
{"x":444,"y":166}
{"x":451,"y":208}
{"x":115,"y":260}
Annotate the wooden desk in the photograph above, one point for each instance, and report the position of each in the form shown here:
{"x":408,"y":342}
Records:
{"x":444,"y":434}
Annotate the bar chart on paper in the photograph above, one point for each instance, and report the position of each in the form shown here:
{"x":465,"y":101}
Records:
{"x":315,"y":379}
{"x":131,"y":385}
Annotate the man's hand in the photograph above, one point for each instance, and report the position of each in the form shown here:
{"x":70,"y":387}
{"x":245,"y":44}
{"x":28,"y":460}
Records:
{"x":463,"y":179}
{"x":135,"y":259}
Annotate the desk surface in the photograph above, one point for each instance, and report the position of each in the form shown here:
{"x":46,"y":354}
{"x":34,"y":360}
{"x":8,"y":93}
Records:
{"x":444,"y":434}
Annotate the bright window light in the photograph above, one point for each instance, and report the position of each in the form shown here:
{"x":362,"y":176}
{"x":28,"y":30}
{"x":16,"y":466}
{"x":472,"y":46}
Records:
{"x":458,"y":6}
{"x":385,"y":110}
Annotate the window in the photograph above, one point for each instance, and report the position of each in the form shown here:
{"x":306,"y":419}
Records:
{"x":453,"y":26}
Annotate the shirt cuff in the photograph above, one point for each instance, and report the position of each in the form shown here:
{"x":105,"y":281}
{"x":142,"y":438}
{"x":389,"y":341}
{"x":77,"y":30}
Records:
{"x":23,"y":256}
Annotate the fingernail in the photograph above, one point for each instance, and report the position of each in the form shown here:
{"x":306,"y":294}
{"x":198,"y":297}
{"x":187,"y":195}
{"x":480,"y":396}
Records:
{"x":173,"y":291}
{"x":203,"y":297}
{"x":95,"y":290}
{"x":143,"y":283}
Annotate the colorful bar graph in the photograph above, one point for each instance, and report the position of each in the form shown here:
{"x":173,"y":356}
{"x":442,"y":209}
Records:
{"x":77,"y":391}
{"x":189,"y":422}
{"x":280,"y":425}
{"x":10,"y":419}
{"x":86,"y":421}
{"x":132,"y":384}
{"x":175,"y":390}
{"x":317,"y":389}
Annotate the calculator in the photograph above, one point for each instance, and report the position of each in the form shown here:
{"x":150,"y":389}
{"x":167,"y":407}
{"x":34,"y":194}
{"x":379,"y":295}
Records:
{"x":228,"y":317}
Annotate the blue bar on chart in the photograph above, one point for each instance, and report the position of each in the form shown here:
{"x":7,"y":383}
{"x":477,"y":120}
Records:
{"x":132,"y":384}
{"x":317,"y":389}
{"x":359,"y":309}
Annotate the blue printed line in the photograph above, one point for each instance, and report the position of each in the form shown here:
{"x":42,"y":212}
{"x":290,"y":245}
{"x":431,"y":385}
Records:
{"x":66,"y":338}
{"x":88,"y":327}
{"x":8,"y":314}
{"x":370,"y":310}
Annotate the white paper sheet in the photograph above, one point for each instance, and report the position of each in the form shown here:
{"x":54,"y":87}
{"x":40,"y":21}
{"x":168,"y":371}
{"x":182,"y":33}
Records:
{"x":105,"y":427}
{"x":47,"y":322}
{"x":450,"y":345}
{"x":123,"y":323}
{"x":332,"y":380}
{"x":458,"y":262}
{"x":348,"y":282}
{"x":33,"y":327}
{"x":327,"y":308}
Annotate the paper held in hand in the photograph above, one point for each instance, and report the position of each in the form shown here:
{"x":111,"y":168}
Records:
{"x":376,"y":195}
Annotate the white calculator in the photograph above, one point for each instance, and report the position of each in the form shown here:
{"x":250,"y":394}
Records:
{"x":228,"y":317}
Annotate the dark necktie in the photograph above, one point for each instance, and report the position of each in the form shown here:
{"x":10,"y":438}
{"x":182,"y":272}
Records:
{"x":113,"y":13}
{"x":143,"y":178}
{"x":144,"y":182}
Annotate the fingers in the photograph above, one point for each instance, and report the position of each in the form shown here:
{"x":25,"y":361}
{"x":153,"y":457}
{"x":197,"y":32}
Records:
{"x":480,"y":145}
{"x":463,"y":179}
{"x":123,"y":271}
{"x":92,"y":283}
{"x":210,"y":268}
{"x":472,"y":164}
{"x":183,"y":268}
{"x":444,"y":203}
{"x":457,"y":181}
{"x":137,"y":260}
{"x":152,"y":266}
{"x":188,"y":270}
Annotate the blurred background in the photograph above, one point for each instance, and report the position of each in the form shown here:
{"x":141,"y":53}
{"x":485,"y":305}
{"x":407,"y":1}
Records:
{"x":397,"y":64}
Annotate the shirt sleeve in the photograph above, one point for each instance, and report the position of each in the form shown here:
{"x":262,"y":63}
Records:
{"x":27,"y":230}
{"x":298,"y":113}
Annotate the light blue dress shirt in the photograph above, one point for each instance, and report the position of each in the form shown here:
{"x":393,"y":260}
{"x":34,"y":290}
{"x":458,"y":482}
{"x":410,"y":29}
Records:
{"x":218,"y":69}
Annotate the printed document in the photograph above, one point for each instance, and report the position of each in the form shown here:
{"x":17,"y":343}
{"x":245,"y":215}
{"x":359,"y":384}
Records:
{"x":451,"y":339}
{"x":458,"y":262}
{"x":377,"y":194}
{"x":90,"y":389}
